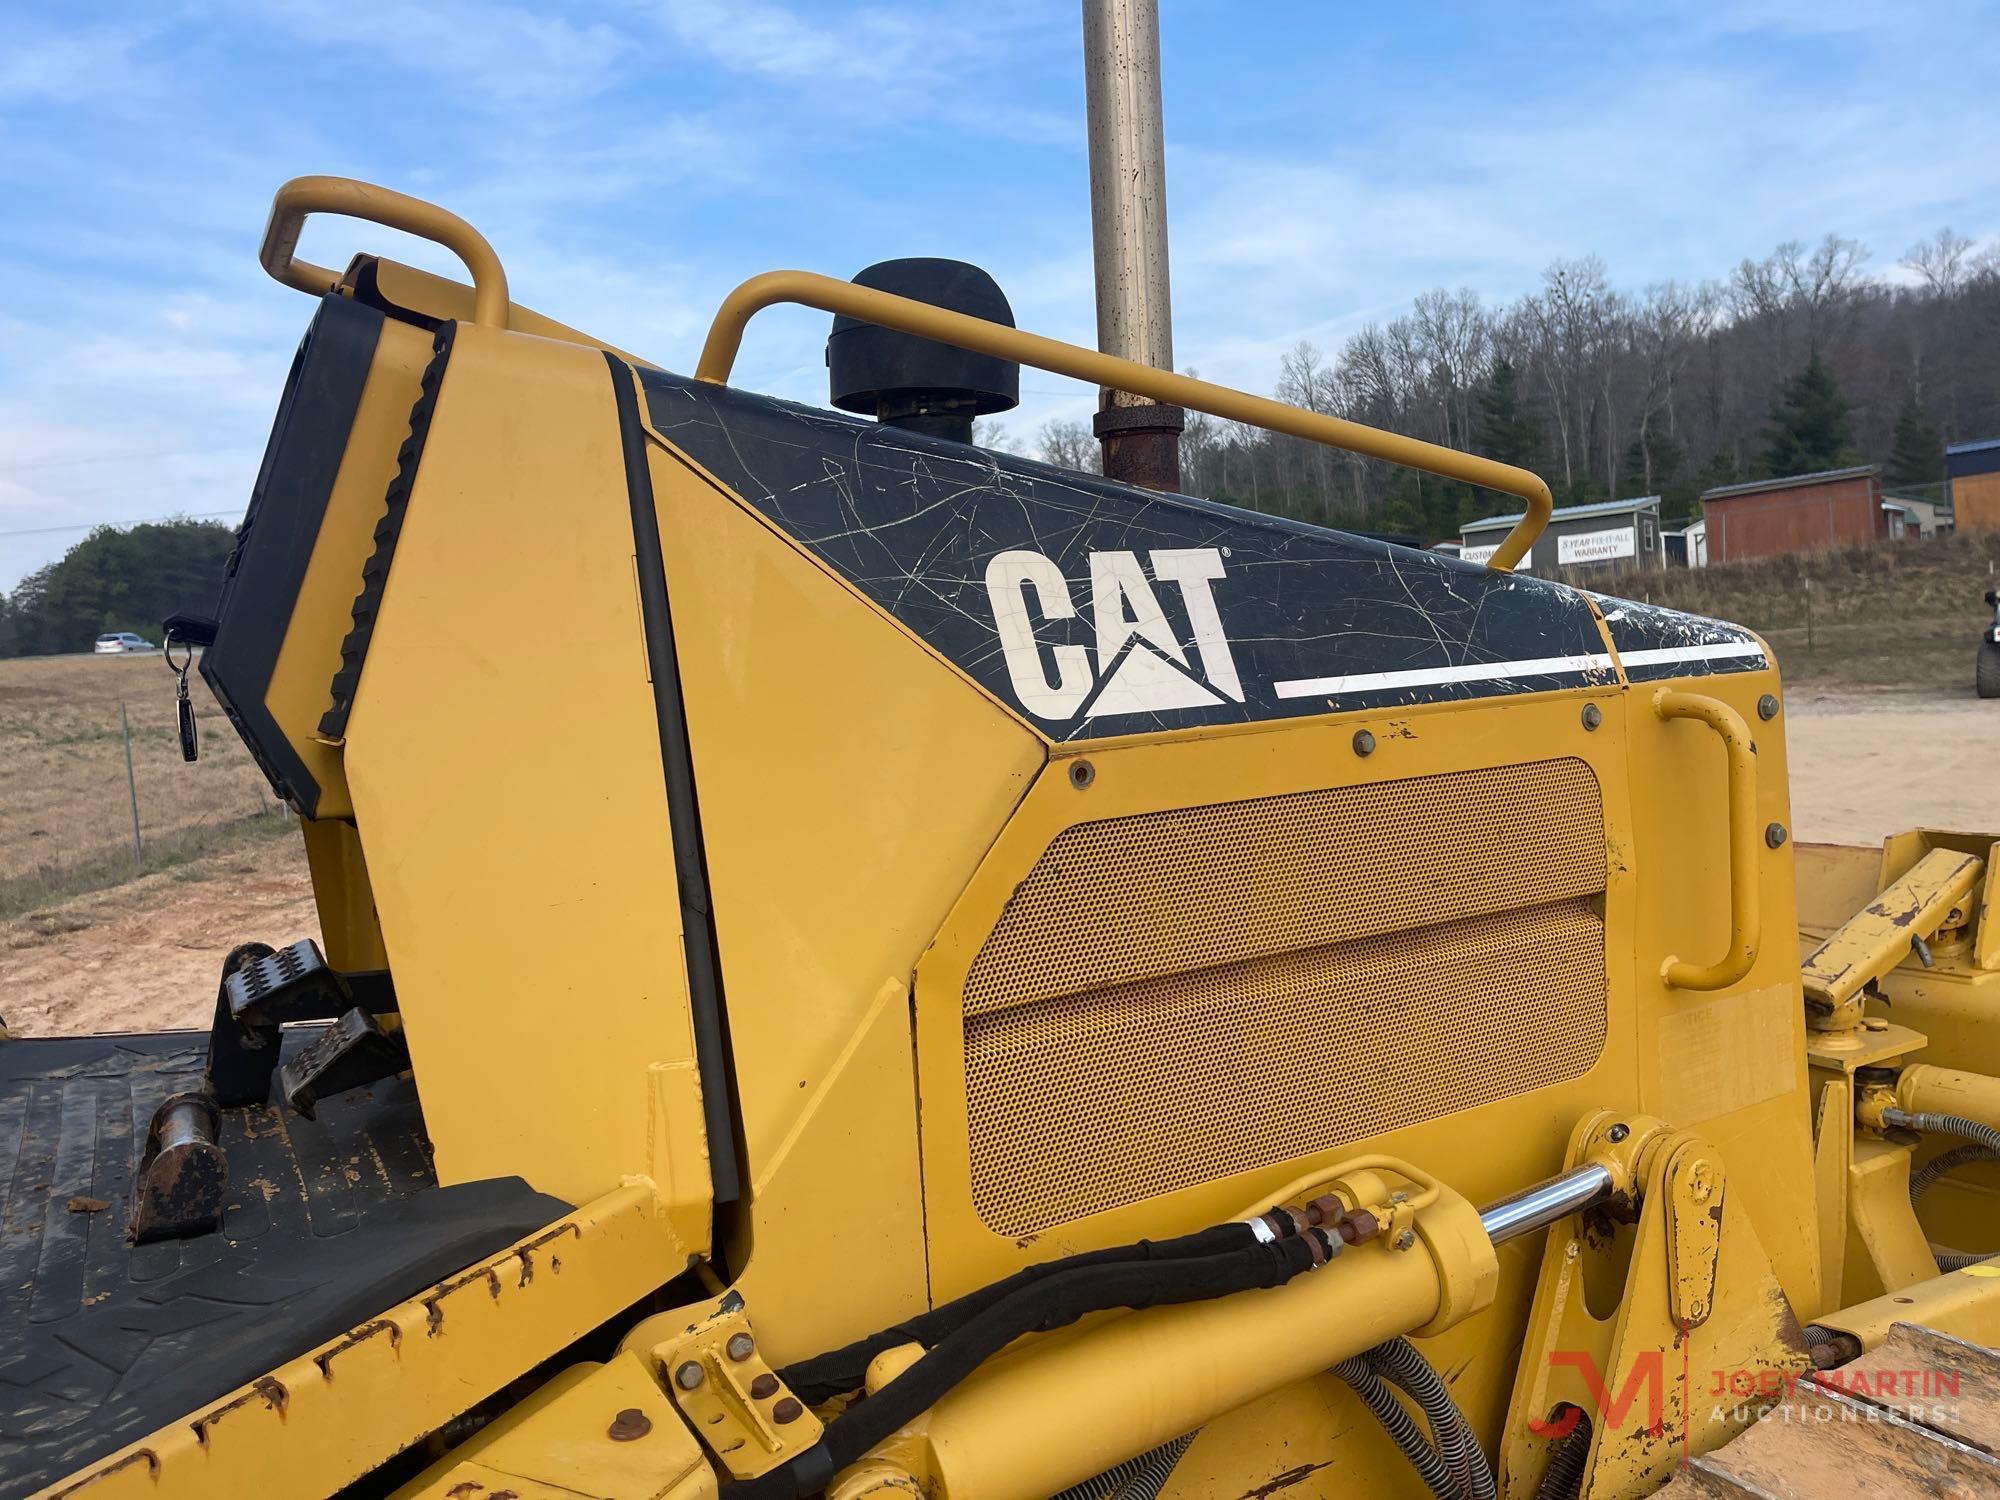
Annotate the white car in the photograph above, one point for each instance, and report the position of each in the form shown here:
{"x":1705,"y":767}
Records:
{"x":123,"y":640}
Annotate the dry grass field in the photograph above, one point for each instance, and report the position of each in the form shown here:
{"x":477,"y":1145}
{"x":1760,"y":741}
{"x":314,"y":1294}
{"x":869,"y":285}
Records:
{"x":1904,"y":615}
{"x":66,"y":814}
{"x":94,"y":937}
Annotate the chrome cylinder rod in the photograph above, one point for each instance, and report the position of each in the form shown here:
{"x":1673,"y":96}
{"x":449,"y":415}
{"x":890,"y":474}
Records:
{"x":1539,"y":1206}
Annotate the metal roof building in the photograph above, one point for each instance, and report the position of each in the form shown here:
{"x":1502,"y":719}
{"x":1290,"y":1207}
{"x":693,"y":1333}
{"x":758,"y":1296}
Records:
{"x":1798,"y":513}
{"x":1974,"y":472}
{"x":1610,"y":533}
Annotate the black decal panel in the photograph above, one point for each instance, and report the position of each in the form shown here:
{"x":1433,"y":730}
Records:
{"x":1096,"y":609}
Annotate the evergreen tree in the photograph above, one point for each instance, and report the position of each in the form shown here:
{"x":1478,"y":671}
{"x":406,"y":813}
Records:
{"x":1720,"y":469}
{"x":1918,"y":455}
{"x":1666,"y":456}
{"x":1808,"y":430}
{"x":1403,"y":508}
{"x":116,"y":580}
{"x":1508,"y":430}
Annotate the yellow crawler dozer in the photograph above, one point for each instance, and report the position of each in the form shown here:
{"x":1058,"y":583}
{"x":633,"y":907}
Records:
{"x":853,"y":964}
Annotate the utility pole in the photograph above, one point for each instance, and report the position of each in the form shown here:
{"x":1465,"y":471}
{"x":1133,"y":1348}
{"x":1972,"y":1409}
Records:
{"x":1128,"y":221}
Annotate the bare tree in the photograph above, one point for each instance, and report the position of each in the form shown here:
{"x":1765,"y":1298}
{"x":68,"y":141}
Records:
{"x":1942,"y":261}
{"x":1669,"y":323}
{"x":1455,"y":343}
{"x":1824,"y":284}
{"x":987,"y":433}
{"x":1069,"y":445}
{"x":1691,"y":366}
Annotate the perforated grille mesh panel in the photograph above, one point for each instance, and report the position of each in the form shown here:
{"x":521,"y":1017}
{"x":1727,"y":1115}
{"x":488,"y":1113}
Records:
{"x":1182,"y":996}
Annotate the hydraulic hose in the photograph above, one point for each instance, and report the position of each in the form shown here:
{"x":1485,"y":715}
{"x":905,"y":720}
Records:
{"x":839,"y":1371}
{"x":1140,"y":1478}
{"x":1398,"y":1361}
{"x":1984,"y":1145}
{"x":1402,"y":1429}
{"x":1051,"y":1301}
{"x":1563,"y":1479}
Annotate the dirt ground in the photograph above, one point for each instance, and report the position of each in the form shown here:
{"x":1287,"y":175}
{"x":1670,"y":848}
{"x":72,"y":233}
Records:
{"x":1868,"y":764}
{"x":144,"y":955}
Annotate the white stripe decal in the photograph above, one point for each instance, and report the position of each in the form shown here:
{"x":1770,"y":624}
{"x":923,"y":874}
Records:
{"x":1365,"y":682}
{"x":1690,"y":653}
{"x":1545,"y":666}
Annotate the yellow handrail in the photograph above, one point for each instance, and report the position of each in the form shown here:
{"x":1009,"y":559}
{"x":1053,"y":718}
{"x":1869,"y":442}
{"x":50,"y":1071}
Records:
{"x":1745,"y":913}
{"x":362,"y":200}
{"x":725,"y":336}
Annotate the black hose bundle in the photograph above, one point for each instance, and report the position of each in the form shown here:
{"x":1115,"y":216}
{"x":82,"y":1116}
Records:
{"x":1052,"y":1300}
{"x":1140,"y":1478}
{"x":1450,"y":1460}
{"x":1399,"y":1361}
{"x":1983,"y":1145}
{"x":1400,"y":1425}
{"x":825,"y":1376}
{"x":1563,"y":1479}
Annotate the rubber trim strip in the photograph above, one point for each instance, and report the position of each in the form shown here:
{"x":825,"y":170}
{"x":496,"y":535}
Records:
{"x":375,"y":572}
{"x":274,"y":544}
{"x":711,"y":1038}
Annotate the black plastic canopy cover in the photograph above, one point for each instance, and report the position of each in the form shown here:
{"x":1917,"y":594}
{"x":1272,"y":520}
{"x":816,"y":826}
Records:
{"x":1097,"y":609}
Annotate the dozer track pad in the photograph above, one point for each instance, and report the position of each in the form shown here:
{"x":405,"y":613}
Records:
{"x":327,"y":1222}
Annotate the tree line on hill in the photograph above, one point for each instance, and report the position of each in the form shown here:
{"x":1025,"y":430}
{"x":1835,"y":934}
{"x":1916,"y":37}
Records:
{"x":1794,"y":363}
{"x":1791,"y":364}
{"x":115,"y":580}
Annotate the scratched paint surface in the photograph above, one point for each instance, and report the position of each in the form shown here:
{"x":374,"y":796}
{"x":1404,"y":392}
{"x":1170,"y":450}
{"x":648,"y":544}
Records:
{"x":1098,"y":609}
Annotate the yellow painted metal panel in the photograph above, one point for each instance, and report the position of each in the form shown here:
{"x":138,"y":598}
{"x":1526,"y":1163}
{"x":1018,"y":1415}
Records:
{"x":330,"y":1416}
{"x":1484,"y":1151}
{"x":1737,"y":1074}
{"x":310,"y":654}
{"x":505,"y":763}
{"x":607,"y":1431}
{"x":849,"y":781}
{"x":349,"y":935}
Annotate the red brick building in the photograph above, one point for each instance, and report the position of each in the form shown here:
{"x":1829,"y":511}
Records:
{"x":1836,"y":508}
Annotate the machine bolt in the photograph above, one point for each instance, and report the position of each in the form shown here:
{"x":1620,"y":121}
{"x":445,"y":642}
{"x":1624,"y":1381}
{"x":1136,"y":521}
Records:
{"x":1767,"y":706}
{"x":628,"y":1425}
{"x":1775,"y":835}
{"x":1406,"y":1239}
{"x":1364,"y":742}
{"x":787,"y":1410}
{"x":1874,"y":1023}
{"x":763,"y":1388}
{"x":740,"y":1347}
{"x":1081,"y":774}
{"x":689,"y":1376}
{"x":1592,"y":716}
{"x":1618,"y":1133}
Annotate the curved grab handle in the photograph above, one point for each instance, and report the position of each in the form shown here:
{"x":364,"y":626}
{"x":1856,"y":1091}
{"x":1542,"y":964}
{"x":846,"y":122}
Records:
{"x":725,"y":336}
{"x":1745,"y":913}
{"x":303,"y":196}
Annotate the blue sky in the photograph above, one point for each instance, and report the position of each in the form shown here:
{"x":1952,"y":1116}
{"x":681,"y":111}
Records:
{"x":633,"y":161}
